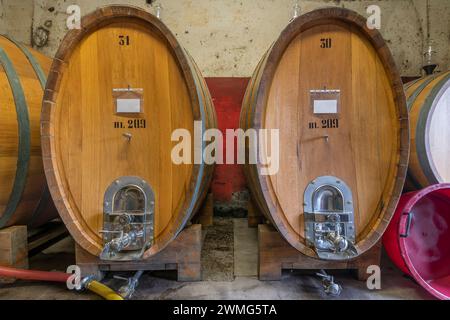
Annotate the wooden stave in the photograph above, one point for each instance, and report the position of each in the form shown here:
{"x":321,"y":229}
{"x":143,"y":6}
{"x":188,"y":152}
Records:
{"x":24,"y":208}
{"x":250,"y":171}
{"x":198,"y":187}
{"x":420,"y":172}
{"x":211,"y":123}
{"x":259,"y":188}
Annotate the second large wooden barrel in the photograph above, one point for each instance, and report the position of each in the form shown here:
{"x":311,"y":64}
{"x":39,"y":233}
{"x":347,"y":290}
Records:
{"x":117,"y":90}
{"x":330,"y":86}
{"x":429,"y":111}
{"x":24,"y":197}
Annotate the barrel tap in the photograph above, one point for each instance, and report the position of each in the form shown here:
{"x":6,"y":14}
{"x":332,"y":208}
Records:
{"x":120,"y":243}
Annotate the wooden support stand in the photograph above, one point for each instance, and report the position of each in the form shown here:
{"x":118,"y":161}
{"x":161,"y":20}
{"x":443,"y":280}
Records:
{"x":13,"y":249}
{"x":182,"y":254}
{"x":44,"y":237}
{"x":205,"y":215}
{"x":18,"y":244}
{"x":275,"y":254}
{"x":255,"y":218}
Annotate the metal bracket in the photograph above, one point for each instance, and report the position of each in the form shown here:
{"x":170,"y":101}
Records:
{"x":127,"y":290}
{"x":329,"y":218}
{"x":325,"y":102}
{"x":128,"y":219}
{"x":330,"y":287}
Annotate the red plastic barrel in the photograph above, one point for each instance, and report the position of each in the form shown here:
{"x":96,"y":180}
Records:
{"x":418,"y":238}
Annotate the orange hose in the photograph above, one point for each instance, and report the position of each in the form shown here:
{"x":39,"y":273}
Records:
{"x":33,"y":275}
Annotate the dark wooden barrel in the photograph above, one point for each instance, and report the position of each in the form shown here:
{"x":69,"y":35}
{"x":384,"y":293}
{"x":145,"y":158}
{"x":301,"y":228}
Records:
{"x":117,"y":90}
{"x":429,"y":112}
{"x":331,"y":88}
{"x":24,"y":197}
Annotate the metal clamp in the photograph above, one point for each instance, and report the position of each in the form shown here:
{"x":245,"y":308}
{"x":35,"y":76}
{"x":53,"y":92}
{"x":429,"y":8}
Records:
{"x":129,"y":289}
{"x":330,"y":287}
{"x":86,"y":281}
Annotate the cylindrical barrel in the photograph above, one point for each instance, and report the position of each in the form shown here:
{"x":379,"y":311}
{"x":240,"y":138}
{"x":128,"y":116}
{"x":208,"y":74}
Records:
{"x":417,"y":238}
{"x":24,"y":197}
{"x":330,"y":87}
{"x":429,"y":112}
{"x":121,"y":98}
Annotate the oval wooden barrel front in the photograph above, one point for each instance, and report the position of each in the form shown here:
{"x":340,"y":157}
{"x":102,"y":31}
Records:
{"x":330,"y":86}
{"x":89,"y":144}
{"x":429,"y":112}
{"x":24,"y":197}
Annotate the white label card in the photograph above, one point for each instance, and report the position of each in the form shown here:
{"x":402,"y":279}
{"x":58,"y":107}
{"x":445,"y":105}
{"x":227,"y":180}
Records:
{"x":325,"y":106}
{"x":128,"y":106}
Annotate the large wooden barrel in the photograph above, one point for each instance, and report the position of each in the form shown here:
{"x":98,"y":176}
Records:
{"x":117,"y":90}
{"x":429,"y":112}
{"x":24,"y":198}
{"x":330,"y":86}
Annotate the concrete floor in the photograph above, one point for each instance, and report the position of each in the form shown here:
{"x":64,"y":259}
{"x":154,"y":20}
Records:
{"x":229,"y":271}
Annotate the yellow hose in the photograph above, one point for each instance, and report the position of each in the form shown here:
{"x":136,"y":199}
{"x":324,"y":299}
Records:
{"x":103,"y":291}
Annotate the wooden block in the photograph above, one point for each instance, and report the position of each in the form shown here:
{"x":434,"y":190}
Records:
{"x":206,"y":213}
{"x":254,"y":216}
{"x":13,"y":249}
{"x":182,"y":254}
{"x":275,"y":254}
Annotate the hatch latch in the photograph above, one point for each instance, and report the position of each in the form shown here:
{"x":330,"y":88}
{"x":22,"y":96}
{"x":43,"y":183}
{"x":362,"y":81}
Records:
{"x":329,"y":218}
{"x":128,"y":219}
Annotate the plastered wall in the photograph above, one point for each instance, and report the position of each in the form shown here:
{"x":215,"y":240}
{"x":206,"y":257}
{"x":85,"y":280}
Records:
{"x":228,"y":37}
